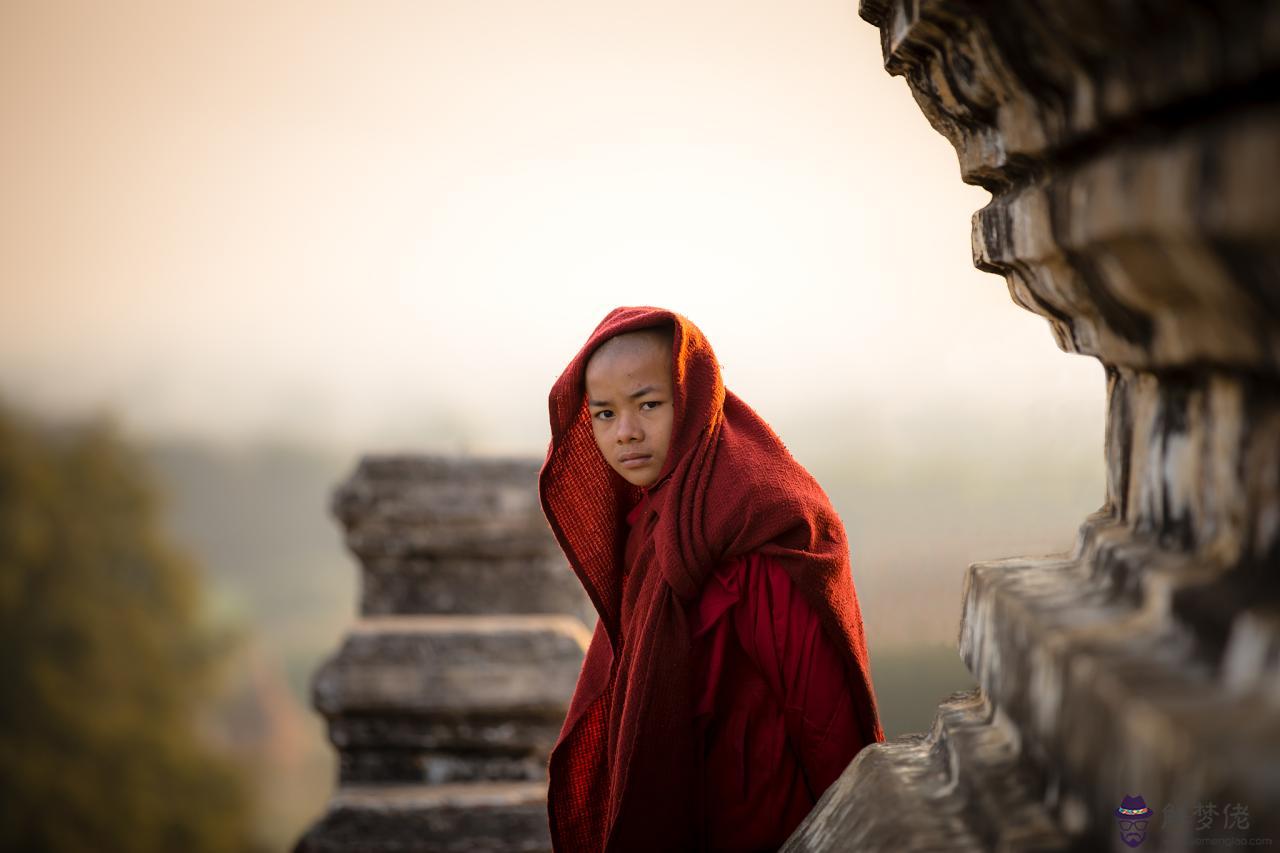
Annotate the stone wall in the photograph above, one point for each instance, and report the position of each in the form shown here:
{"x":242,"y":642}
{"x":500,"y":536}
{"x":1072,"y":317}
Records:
{"x":1132,"y":150}
{"x":447,"y":694}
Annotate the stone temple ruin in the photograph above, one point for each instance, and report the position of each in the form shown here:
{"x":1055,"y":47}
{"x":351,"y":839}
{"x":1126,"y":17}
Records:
{"x":1132,"y":150}
{"x":447,"y":695}
{"x":1133,"y":154}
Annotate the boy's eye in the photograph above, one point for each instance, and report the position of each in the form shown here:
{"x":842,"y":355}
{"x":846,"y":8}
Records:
{"x":610,"y":411}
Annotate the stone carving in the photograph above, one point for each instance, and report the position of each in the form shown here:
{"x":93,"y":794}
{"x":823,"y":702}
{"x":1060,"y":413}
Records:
{"x":1133,"y":155}
{"x":448,"y":693}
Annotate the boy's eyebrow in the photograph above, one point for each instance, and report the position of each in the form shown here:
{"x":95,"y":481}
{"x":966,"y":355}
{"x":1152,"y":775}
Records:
{"x":633,"y":395}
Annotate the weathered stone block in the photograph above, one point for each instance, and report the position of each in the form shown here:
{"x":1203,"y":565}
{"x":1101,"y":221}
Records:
{"x":1129,"y":149}
{"x":961,"y":788}
{"x":501,"y":818}
{"x":446,"y":698}
{"x":450,"y":665}
{"x":410,"y":506}
{"x":453,"y":584}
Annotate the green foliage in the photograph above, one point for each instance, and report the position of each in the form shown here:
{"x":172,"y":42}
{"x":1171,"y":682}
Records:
{"x":105,"y":664}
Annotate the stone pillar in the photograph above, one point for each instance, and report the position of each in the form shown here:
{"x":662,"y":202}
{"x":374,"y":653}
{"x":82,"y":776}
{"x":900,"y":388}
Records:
{"x":1133,"y":155}
{"x":448,"y":693}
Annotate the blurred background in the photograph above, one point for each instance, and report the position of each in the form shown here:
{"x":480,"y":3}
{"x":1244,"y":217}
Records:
{"x":243,"y":243}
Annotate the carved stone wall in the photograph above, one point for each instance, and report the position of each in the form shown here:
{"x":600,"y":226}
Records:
{"x":447,"y":694}
{"x":1132,"y":150}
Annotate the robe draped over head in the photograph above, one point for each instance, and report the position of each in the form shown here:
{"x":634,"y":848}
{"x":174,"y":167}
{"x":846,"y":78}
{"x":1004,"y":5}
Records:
{"x":728,"y":487}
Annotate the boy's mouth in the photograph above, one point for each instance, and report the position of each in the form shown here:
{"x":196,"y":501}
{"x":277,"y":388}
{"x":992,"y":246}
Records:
{"x":633,"y":460}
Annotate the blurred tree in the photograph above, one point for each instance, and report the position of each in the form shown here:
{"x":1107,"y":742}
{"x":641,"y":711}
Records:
{"x":105,"y":663}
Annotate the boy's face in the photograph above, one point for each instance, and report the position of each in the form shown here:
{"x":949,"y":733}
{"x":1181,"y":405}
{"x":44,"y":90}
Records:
{"x":628,"y":383}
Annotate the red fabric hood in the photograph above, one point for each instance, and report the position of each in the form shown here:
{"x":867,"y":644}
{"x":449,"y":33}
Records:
{"x":728,"y":487}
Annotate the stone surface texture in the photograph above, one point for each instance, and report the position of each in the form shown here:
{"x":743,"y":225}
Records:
{"x":448,"y":692}
{"x":1132,"y":150}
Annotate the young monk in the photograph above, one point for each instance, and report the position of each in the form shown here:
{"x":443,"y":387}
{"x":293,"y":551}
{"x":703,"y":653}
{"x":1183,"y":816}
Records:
{"x":727,"y":683}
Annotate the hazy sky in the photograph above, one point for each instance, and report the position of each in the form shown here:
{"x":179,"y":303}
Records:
{"x":369,"y":222}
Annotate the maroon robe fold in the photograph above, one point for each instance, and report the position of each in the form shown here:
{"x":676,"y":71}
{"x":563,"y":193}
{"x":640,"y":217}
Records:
{"x":774,"y":718}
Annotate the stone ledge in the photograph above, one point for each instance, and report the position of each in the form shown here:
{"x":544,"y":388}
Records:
{"x":470,"y":585}
{"x":402,"y":507}
{"x":1115,"y":698}
{"x":962,"y":787}
{"x":477,"y":818}
{"x":1014,"y":85}
{"x":1129,"y":253}
{"x":451,"y":665}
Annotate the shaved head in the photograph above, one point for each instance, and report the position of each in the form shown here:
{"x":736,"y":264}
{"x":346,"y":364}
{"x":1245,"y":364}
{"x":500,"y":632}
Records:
{"x":640,"y":340}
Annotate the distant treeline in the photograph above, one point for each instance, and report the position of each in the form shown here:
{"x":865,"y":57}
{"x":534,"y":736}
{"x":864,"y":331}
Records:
{"x":105,"y":662}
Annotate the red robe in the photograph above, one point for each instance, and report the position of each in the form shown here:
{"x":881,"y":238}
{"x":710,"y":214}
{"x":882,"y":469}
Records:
{"x":775,"y":724}
{"x":623,"y":774}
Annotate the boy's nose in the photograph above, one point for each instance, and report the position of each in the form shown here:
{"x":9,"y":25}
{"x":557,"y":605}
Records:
{"x":628,"y":428}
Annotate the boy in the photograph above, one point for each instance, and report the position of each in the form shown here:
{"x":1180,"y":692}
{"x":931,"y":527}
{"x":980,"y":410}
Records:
{"x":727,"y":683}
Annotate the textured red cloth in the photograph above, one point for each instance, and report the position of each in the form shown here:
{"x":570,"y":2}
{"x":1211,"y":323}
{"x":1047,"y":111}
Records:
{"x":773,"y":715}
{"x":622,"y":775}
